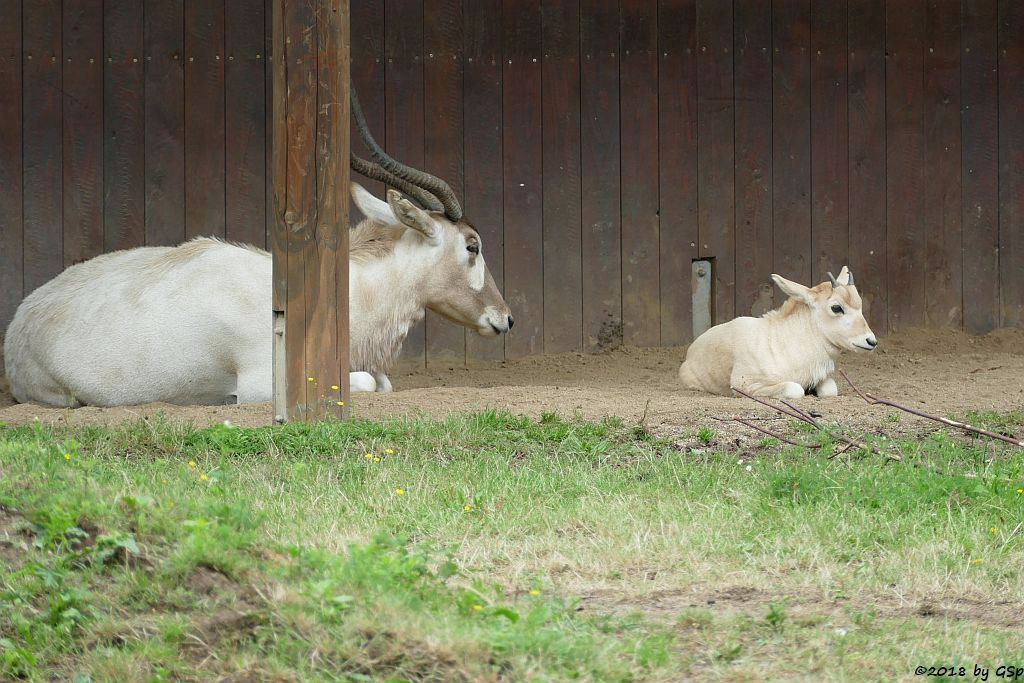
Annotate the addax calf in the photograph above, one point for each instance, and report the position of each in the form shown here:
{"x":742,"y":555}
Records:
{"x":787,"y":352}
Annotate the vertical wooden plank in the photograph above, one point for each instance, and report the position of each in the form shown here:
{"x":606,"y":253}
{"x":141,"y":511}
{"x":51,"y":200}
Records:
{"x":245,"y":126}
{"x":830,"y":163}
{"x":278,"y":176}
{"x":904,"y":103}
{"x":482,"y":148}
{"x":10,"y":163}
{"x":677,"y":162}
{"x":368,"y":81}
{"x":404,"y":111}
{"x":522,"y":139}
{"x":42,"y":147}
{"x":638,"y":74}
{"x":164,"y":122}
{"x":310,"y":170}
{"x":942,"y":210}
{"x":753,"y":172}
{"x":867,"y":157}
{"x":124,"y":159}
{"x":325,"y":251}
{"x":269,"y":74}
{"x":563,"y":296}
{"x":204,"y":118}
{"x":600,"y":176}
{"x":716,"y":151}
{"x":300,"y":56}
{"x":442,"y":145}
{"x":82,"y":128}
{"x":980,"y":166}
{"x":791,"y":142}
{"x":1011,"y":163}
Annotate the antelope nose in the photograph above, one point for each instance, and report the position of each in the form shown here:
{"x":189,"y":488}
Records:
{"x":872,"y":342}
{"x":511,"y":322}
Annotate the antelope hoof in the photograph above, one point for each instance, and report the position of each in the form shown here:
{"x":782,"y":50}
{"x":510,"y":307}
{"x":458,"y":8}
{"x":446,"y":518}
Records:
{"x":792,"y":390}
{"x":826,"y":387}
{"x":361,"y":382}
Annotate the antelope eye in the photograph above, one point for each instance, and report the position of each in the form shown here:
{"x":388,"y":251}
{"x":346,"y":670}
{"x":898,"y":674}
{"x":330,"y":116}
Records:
{"x":473,"y":248}
{"x":837,"y":309}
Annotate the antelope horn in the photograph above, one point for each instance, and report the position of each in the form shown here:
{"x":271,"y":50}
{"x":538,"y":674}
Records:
{"x":832,"y":279}
{"x":849,"y":281}
{"x":427,"y":182}
{"x":375,"y":172}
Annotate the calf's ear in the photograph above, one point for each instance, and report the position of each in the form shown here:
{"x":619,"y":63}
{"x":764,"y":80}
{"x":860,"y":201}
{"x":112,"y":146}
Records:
{"x":793,"y":289}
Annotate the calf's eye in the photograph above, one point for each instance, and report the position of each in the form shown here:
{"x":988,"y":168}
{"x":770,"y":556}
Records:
{"x":473,"y":248}
{"x":836,"y":308}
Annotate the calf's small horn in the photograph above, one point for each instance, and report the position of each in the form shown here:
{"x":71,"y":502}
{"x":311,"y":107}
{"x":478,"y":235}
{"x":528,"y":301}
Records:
{"x":849,"y":279}
{"x":832,"y":279}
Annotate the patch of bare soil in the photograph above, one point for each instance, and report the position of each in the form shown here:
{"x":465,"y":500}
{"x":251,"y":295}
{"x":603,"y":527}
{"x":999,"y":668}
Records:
{"x":943,"y":372}
{"x":206,"y":580}
{"x":14,"y":540}
{"x":670,"y":605}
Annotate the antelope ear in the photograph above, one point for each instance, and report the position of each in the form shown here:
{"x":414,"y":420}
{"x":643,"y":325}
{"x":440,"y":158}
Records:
{"x":412,"y":216}
{"x":793,"y":289}
{"x":845,"y":276}
{"x":375,"y":209}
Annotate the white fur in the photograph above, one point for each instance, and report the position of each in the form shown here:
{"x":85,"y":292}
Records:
{"x":193,"y":325}
{"x":785,"y":352}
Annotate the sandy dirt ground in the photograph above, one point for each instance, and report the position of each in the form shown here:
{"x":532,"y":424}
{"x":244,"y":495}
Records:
{"x":944,"y":373}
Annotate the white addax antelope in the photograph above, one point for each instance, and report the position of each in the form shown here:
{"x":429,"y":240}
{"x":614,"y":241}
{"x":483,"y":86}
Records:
{"x":787,"y":352}
{"x":192,"y":324}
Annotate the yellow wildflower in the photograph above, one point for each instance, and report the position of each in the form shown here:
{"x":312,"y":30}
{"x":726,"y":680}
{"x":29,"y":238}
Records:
{"x":478,"y":607}
{"x":67,"y":456}
{"x":341,"y":403}
{"x":389,"y":451}
{"x":368,"y":456}
{"x":534,"y":592}
{"x":400,"y":492}
{"x":467,"y":508}
{"x":376,"y":459}
{"x":310,"y":379}
{"x":203,"y":477}
{"x":994,"y":530}
{"x":1020,"y":491}
{"x":334,"y":386}
{"x":191,"y":464}
{"x":976,"y":560}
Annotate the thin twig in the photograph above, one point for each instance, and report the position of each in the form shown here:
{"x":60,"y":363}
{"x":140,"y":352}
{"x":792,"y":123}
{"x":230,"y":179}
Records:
{"x":774,"y":435}
{"x":807,"y":417}
{"x":794,"y":415}
{"x":799,"y":414}
{"x":874,"y":400}
{"x":841,"y":451}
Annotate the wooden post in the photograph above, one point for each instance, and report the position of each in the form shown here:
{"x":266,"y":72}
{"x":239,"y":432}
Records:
{"x":310,"y":155}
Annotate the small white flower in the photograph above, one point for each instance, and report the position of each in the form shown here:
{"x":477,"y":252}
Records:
{"x":227,"y":423}
{"x":740,"y":461}
{"x":840,"y":631}
{"x":749,"y":468}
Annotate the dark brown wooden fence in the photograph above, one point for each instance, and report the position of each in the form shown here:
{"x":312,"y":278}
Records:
{"x":600,"y":146}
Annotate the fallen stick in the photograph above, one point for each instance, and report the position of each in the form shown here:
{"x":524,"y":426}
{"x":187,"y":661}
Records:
{"x":792,"y":411}
{"x":874,"y":400}
{"x":797,"y":413}
{"x":774,"y":435}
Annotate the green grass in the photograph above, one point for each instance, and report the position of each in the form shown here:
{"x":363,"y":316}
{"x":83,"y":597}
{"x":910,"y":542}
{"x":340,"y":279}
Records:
{"x":493,"y":547}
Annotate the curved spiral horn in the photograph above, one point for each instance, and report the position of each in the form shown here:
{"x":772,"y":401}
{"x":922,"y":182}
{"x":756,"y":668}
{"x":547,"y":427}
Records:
{"x":375,"y":172}
{"x":427,"y":182}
